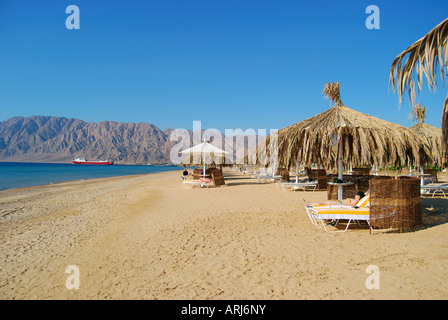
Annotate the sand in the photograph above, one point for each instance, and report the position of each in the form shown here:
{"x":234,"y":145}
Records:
{"x":147,"y":237}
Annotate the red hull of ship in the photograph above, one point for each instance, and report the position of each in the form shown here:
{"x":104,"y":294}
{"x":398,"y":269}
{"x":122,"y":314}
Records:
{"x":93,"y":162}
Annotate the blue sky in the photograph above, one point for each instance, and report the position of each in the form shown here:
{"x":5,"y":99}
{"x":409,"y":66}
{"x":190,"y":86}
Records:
{"x":228,"y":63}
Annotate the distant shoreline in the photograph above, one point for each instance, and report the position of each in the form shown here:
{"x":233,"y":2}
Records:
{"x":15,"y":175}
{"x":118,"y":164}
{"x":74,"y":182}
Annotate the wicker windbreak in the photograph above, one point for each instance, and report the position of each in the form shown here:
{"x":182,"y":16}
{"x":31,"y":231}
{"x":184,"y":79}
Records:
{"x":215,"y":175}
{"x":433,"y":173}
{"x":318,"y":174}
{"x":396,"y":203}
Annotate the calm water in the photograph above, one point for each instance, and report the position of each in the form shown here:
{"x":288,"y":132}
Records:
{"x":18,"y":174}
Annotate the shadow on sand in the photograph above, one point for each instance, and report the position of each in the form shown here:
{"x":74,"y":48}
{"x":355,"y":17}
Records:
{"x":434,"y":211}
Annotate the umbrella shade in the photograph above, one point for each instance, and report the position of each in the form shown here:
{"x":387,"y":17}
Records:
{"x":362,"y":139}
{"x":192,"y":160}
{"x":204,"y":147}
{"x":201,"y":152}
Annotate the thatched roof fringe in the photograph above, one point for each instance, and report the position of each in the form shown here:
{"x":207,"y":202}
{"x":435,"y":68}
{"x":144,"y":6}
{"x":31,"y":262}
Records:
{"x":366,"y":141}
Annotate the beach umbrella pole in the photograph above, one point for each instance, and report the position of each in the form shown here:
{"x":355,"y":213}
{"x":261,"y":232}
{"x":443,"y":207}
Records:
{"x":340,"y":168}
{"x":203,"y":172}
{"x":297,"y":171}
{"x":422,"y":179}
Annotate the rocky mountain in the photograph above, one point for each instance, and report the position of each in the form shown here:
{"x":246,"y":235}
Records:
{"x":59,"y":139}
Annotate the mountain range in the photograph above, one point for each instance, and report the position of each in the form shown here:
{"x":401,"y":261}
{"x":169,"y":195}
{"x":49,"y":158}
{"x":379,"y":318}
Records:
{"x":60,"y":139}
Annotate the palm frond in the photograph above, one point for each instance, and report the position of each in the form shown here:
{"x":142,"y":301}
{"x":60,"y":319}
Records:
{"x":445,"y":130}
{"x":423,"y":58}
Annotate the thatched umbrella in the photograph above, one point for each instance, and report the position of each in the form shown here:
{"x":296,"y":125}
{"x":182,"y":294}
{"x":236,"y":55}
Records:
{"x":422,"y":60}
{"x":343,"y":134}
{"x":432,"y":134}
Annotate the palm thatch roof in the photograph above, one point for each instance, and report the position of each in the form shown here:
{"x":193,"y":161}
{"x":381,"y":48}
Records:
{"x":423,"y":58}
{"x":366,"y":140}
{"x":433,"y":135}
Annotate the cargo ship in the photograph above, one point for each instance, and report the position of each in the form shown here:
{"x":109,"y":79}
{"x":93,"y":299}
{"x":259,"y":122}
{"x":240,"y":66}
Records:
{"x":84,"y":161}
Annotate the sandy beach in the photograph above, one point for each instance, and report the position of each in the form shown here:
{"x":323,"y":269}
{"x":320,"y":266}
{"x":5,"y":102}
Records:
{"x":147,"y":237}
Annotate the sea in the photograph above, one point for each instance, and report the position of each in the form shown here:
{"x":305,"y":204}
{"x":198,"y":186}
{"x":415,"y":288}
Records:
{"x":24,"y":174}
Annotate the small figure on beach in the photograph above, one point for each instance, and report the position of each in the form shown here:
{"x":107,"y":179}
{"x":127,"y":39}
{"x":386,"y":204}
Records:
{"x":185,"y":174}
{"x":348,"y":202}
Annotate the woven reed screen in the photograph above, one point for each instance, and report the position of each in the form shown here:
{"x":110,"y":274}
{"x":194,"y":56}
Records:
{"x":401,"y":196}
{"x":347,"y":191}
{"x":196,"y":173}
{"x":361,"y":171}
{"x":433,"y":173}
{"x":217,"y":177}
{"x":284,"y":173}
{"x":320,"y":175}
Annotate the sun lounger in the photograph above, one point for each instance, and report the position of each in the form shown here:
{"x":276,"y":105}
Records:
{"x":323,"y":214}
{"x":300,"y":185}
{"x":269,"y":178}
{"x":434,"y":188}
{"x":202,"y":183}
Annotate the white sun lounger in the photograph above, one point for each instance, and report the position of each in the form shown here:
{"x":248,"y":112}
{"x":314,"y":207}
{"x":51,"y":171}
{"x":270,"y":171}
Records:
{"x":434,"y":188}
{"x":321,"y":214}
{"x":300,"y":185}
{"x":269,"y":178}
{"x":202,"y":183}
{"x":336,"y":213}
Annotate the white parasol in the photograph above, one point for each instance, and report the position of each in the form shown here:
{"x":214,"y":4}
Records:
{"x":205,"y":149}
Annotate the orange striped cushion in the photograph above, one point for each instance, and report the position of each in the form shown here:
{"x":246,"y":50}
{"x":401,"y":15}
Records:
{"x":364,"y":202}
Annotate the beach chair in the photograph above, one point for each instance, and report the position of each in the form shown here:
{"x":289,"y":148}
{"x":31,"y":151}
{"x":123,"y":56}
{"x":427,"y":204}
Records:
{"x":201,"y":183}
{"x":269,"y":178}
{"x":303,"y":185}
{"x":322,"y":214}
{"x":336,"y":213}
{"x":434,"y":188}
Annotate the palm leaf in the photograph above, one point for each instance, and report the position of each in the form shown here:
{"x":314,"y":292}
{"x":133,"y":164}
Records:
{"x":423,"y":58}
